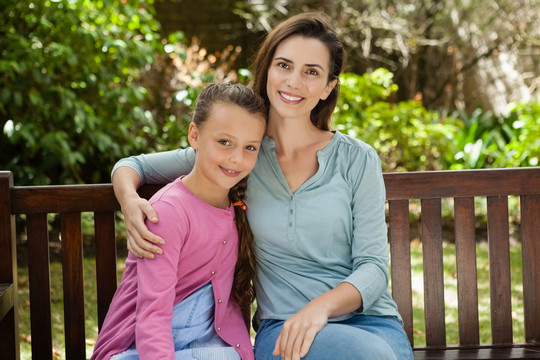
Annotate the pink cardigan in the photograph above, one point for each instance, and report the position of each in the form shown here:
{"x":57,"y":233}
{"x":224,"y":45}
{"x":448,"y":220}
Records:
{"x":201,"y":245}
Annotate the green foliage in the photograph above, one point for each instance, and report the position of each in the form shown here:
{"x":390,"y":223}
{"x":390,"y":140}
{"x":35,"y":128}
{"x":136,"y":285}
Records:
{"x":70,"y":101}
{"x":490,"y":141}
{"x":406,"y":135}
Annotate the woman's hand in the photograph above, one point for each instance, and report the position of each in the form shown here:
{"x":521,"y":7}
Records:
{"x":140,"y":241}
{"x":298,"y":332}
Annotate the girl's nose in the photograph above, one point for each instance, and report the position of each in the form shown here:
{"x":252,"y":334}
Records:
{"x":237,"y":155}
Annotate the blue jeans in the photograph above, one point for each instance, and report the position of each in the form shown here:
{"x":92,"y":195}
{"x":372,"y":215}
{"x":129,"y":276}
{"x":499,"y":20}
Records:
{"x":193,"y":331}
{"x":360,"y":337}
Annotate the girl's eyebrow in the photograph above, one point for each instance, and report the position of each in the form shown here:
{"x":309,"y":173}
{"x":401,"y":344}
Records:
{"x":231,"y":136}
{"x":290,"y":61}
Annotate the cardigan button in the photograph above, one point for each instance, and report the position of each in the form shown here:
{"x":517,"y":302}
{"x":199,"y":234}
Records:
{"x":237,"y":345}
{"x":224,"y":242}
{"x":219,"y":301}
{"x":213,"y":272}
{"x":218,"y":329}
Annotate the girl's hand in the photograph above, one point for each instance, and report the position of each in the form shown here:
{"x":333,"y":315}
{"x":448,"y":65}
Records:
{"x":298,"y":332}
{"x":140,"y":241}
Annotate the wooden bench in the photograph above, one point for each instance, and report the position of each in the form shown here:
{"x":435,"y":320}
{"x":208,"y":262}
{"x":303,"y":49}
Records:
{"x":462,"y":187}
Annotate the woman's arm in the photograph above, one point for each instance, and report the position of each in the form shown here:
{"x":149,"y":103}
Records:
{"x":128,"y":174}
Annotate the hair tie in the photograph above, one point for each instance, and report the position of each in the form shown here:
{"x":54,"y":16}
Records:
{"x":242,"y":204}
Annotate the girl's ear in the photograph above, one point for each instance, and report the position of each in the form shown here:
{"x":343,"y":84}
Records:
{"x":329,"y":87}
{"x":193,"y":136}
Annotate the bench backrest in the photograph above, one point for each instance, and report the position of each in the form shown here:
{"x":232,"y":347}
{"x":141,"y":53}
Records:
{"x":463,"y":187}
{"x":69,"y":201}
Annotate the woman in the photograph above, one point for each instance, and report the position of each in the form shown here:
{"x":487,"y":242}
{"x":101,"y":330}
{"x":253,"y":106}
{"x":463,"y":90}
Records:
{"x":316,"y":202}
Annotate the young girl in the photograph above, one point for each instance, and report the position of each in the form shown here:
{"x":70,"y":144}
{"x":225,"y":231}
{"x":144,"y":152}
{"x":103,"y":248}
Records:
{"x":197,"y":285}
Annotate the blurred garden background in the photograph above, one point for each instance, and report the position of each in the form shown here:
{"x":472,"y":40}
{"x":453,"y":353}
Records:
{"x":431,"y":85}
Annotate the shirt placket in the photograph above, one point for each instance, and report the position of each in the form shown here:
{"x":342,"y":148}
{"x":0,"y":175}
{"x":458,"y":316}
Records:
{"x":291,"y":218}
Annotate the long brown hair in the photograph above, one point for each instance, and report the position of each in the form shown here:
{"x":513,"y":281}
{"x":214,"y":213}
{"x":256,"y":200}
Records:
{"x":239,"y":95}
{"x":314,"y":25}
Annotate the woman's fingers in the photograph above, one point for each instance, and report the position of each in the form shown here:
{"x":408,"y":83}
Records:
{"x":141,"y":242}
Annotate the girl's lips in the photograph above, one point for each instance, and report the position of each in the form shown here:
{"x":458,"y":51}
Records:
{"x":289,"y":98}
{"x":229,"y":172}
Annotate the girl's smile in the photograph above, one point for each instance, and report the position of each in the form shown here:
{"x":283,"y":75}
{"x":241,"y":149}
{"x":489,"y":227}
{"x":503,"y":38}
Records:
{"x":226,"y":144}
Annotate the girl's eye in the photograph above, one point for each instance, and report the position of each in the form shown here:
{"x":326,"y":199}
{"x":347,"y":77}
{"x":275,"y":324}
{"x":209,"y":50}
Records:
{"x":251,"y":148}
{"x":224,"y":142}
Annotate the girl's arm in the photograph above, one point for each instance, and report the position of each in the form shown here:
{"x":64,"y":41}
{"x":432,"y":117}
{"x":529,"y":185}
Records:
{"x":128,"y":175}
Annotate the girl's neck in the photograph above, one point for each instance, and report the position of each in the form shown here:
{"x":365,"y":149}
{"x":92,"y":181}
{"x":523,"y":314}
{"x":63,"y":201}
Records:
{"x":209,"y":193}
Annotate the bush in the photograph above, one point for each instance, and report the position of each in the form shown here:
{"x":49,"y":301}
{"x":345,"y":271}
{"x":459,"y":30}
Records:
{"x":70,"y":98}
{"x":489,"y":141}
{"x":407,"y":136}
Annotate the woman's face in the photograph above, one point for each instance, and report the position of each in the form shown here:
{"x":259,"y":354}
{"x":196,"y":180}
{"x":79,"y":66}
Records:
{"x":298,"y":77}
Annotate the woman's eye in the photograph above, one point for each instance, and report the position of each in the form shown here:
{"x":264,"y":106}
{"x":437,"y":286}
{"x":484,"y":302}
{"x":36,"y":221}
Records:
{"x":312,"y":72}
{"x":224,"y":142}
{"x":283,"y":65}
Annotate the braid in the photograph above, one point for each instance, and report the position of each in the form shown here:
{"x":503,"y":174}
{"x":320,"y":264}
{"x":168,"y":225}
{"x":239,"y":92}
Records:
{"x":243,"y":290}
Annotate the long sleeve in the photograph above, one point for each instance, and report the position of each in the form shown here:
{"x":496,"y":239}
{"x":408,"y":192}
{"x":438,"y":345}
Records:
{"x":157,"y":280}
{"x":160,"y":168}
{"x":369,"y":248}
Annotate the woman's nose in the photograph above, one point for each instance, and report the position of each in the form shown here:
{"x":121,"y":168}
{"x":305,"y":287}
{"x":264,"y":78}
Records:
{"x":294,"y":80}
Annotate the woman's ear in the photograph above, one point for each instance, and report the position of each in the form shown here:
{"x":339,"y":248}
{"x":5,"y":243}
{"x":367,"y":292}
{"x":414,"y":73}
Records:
{"x":329,"y":87}
{"x":193,"y":135}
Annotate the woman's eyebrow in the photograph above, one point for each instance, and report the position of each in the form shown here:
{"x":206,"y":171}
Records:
{"x":290,"y":61}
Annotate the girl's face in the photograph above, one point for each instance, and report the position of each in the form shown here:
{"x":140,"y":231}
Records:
{"x":227,"y":144}
{"x":298,"y":77}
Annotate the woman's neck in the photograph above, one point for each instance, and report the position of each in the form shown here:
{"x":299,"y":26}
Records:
{"x":291,"y":135}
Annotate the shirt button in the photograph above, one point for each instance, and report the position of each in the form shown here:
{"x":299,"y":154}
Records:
{"x":291,"y":211}
{"x":290,"y":224}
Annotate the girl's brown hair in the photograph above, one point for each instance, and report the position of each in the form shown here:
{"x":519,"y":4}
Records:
{"x":239,"y":95}
{"x":314,"y":25}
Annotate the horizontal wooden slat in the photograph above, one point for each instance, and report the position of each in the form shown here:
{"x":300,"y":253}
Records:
{"x":464,"y":183}
{"x":62,"y":198}
{"x":67,"y":198}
